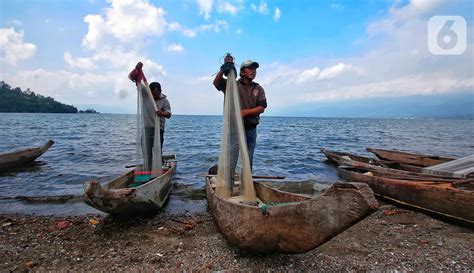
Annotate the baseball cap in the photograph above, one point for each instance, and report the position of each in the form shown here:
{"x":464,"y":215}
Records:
{"x":249,"y":63}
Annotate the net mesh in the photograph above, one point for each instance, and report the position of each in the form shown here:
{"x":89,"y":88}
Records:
{"x":233,"y":141}
{"x":148,"y":137}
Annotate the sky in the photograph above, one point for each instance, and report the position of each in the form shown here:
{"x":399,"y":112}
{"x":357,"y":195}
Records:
{"x":311,"y":53}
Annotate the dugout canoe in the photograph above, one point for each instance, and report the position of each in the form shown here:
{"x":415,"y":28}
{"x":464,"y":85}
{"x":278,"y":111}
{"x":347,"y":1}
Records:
{"x":402,"y":157}
{"x":352,"y":160}
{"x":285,"y":222}
{"x":115,"y":197}
{"x":387,"y":168}
{"x":450,"y":200}
{"x":22,"y":157}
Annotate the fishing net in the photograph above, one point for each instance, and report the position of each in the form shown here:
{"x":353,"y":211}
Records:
{"x":232,"y":141}
{"x":148,"y":137}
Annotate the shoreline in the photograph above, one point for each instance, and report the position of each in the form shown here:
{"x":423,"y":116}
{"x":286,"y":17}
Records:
{"x":392,"y":238}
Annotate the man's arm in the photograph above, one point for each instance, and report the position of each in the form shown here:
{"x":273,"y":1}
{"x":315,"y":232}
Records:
{"x":165,"y":111}
{"x":218,"y":79}
{"x":252,"y":111}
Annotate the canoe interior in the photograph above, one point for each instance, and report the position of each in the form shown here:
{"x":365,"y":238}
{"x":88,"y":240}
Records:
{"x":117,"y":198}
{"x":127,"y":179}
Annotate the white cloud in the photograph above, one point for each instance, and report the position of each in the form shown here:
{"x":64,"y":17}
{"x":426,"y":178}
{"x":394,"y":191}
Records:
{"x":175,"y":48}
{"x":262,"y":7}
{"x":227,"y":7}
{"x":17,"y":22}
{"x":217,"y":26}
{"x":309,"y":74}
{"x":126,"y":21}
{"x":327,"y":73}
{"x":12,"y":47}
{"x":205,"y":8}
{"x":277,"y":14}
{"x":334,"y":71}
{"x":83,"y":63}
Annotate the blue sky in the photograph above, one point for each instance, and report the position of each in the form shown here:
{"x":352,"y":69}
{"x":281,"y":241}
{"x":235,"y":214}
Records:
{"x":310,"y":52}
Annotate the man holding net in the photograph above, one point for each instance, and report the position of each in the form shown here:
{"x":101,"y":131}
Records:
{"x":252,"y":100}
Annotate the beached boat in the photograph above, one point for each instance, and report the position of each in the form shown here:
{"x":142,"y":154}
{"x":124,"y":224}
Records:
{"x":409,"y":158}
{"x":451,"y":200}
{"x":286,"y":222}
{"x":115,"y":197}
{"x":352,"y":160}
{"x":386,"y":168}
{"x":22,"y":157}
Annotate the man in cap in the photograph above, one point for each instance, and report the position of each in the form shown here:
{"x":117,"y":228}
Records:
{"x":252,"y":98}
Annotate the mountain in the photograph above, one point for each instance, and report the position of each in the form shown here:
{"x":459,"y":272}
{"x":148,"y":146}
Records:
{"x":16,"y":100}
{"x":459,"y":105}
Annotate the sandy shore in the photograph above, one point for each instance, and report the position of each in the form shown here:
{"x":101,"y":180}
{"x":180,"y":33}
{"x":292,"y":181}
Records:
{"x":390,"y":239}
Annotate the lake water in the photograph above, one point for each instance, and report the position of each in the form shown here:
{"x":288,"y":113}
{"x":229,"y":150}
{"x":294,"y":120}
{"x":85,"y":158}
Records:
{"x":90,"y":146}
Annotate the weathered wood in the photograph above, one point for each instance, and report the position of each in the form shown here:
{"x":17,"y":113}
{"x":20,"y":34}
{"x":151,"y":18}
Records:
{"x":462,"y":168}
{"x":348,"y":159}
{"x":448,"y":199}
{"x":409,"y":158}
{"x":294,"y":223}
{"x":116,"y":198}
{"x":22,"y":157}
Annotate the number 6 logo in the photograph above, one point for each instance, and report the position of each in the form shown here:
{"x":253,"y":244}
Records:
{"x":447,"y":35}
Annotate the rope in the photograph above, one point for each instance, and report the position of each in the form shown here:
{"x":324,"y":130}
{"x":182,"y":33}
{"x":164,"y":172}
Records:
{"x":264,"y":207}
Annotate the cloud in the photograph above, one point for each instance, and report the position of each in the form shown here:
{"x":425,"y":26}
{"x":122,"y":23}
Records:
{"x":12,"y":47}
{"x":205,"y":8}
{"x":394,"y":62}
{"x":227,"y":7}
{"x":277,"y":14}
{"x":83,"y":63}
{"x":17,"y":22}
{"x":327,"y":73}
{"x":126,"y":21}
{"x":217,"y":26}
{"x":261,"y":8}
{"x":334,"y":71}
{"x":175,"y":48}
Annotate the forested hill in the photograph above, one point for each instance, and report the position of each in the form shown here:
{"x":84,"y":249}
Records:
{"x":16,"y":100}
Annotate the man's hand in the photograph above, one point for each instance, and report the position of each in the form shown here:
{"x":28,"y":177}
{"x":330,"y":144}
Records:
{"x":227,"y":67}
{"x":228,"y":59}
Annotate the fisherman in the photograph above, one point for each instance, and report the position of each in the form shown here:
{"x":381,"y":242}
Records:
{"x":164,"y":112}
{"x":252,"y":102}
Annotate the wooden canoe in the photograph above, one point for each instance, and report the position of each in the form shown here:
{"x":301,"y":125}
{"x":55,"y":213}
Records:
{"x":451,"y":200}
{"x":386,"y":168}
{"x":22,"y":157}
{"x":409,"y":158}
{"x":115,"y":197}
{"x":352,"y":160}
{"x":286,"y":222}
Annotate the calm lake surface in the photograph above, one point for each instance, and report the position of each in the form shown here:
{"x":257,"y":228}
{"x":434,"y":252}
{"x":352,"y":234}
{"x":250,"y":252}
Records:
{"x":99,"y":146}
